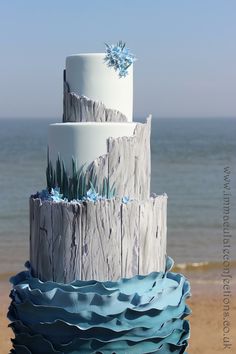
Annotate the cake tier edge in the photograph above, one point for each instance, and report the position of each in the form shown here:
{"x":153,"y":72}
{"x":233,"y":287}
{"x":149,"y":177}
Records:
{"x":102,"y":240}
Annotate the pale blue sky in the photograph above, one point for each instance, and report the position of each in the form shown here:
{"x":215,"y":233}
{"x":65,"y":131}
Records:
{"x":186,"y":53}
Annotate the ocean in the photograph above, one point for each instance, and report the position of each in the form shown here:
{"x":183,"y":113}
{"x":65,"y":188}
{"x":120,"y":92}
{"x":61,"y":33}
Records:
{"x":188,"y":161}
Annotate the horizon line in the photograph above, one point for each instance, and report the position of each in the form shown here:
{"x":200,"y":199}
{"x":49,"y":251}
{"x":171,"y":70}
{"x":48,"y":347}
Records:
{"x":135,"y":117}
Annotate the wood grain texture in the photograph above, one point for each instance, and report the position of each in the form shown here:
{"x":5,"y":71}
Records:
{"x":127,"y":163}
{"x":45,"y":241}
{"x":82,"y":109}
{"x":35,"y":206}
{"x":105,"y":240}
{"x":142,"y":172}
{"x":130,"y":239}
{"x":152,"y":228}
{"x":101,"y":242}
{"x":98,"y":168}
{"x":57,"y":240}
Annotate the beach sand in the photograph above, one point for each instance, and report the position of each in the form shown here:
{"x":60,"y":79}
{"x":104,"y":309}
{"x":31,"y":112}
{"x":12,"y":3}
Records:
{"x":205,"y":321}
{"x":5,"y":332}
{"x":206,"y":325}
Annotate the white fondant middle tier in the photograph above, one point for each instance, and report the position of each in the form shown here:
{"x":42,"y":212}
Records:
{"x":85,"y":142}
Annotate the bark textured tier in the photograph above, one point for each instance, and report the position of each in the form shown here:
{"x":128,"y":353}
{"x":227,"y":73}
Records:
{"x":127,"y":164}
{"x":82,"y":109}
{"x":105,"y":240}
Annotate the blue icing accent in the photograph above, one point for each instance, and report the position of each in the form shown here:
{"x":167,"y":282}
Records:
{"x":119,"y":57}
{"x":54,"y":195}
{"x":126,"y":200}
{"x":143,"y":314}
{"x":91,"y":195}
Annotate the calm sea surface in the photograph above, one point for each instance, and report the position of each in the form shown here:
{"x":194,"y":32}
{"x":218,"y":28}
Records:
{"x":188,"y":160}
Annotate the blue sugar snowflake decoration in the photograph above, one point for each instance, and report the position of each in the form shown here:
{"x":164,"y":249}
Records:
{"x":119,"y":57}
{"x":126,"y":200}
{"x":92,"y":195}
{"x":54,"y":195}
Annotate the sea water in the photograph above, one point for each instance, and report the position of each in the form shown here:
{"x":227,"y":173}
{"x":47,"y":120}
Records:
{"x":188,"y":161}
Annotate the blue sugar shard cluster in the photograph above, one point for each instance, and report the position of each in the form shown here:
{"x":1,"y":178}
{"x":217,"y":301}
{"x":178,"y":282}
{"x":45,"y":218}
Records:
{"x":119,"y":57}
{"x":143,"y":314}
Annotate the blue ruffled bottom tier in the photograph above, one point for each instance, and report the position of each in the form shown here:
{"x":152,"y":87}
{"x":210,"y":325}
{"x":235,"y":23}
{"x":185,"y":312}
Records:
{"x":143,"y":314}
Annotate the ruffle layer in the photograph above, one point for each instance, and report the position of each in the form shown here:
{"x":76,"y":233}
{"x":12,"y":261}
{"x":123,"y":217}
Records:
{"x":143,"y":314}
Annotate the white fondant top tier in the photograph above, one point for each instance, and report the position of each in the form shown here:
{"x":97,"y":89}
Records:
{"x":88,"y":75}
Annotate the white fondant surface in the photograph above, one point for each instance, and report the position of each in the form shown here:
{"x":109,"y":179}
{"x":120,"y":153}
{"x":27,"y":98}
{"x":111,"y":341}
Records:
{"x":84,"y":141}
{"x":89,"y":75}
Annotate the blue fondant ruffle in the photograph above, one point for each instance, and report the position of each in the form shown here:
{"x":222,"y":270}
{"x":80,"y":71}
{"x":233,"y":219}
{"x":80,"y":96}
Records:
{"x":143,"y":314}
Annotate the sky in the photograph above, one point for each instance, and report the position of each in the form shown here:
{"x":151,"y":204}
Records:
{"x":186,"y":52}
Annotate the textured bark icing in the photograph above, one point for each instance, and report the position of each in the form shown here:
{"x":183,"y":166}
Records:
{"x":143,"y":314}
{"x":77,"y":108}
{"x":105,"y":240}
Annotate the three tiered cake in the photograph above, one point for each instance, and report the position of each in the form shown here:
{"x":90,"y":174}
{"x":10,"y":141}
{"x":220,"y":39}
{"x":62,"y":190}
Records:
{"x":98,"y":279}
